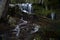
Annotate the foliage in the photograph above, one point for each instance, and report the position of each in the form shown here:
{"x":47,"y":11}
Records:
{"x":51,"y":5}
{"x":37,"y":37}
{"x":40,"y":9}
{"x":17,"y":1}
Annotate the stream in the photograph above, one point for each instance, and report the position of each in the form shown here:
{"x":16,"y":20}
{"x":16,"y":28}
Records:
{"x":24,"y":29}
{"x":23,"y":25}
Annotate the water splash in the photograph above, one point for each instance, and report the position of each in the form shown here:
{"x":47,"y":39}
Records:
{"x":26,"y":7}
{"x":36,"y":28}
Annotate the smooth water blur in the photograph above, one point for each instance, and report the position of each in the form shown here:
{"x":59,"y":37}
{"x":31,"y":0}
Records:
{"x":35,"y":29}
{"x":52,"y":15}
{"x":18,"y":27}
{"x":22,"y":24}
{"x":26,"y":7}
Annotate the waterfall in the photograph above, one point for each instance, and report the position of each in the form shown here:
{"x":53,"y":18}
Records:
{"x":23,"y":21}
{"x":36,"y":28}
{"x":18,"y":27}
{"x":26,"y":7}
{"x":30,"y":8}
{"x":52,"y":15}
{"x":23,"y":24}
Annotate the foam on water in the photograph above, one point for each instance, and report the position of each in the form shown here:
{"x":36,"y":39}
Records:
{"x":36,"y":28}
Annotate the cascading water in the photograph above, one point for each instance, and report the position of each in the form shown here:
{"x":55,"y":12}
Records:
{"x":26,"y":7}
{"x":18,"y":27}
{"x":23,"y":21}
{"x":17,"y":30}
{"x":52,"y":15}
{"x":35,"y":29}
{"x":30,"y":8}
{"x":15,"y":33}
